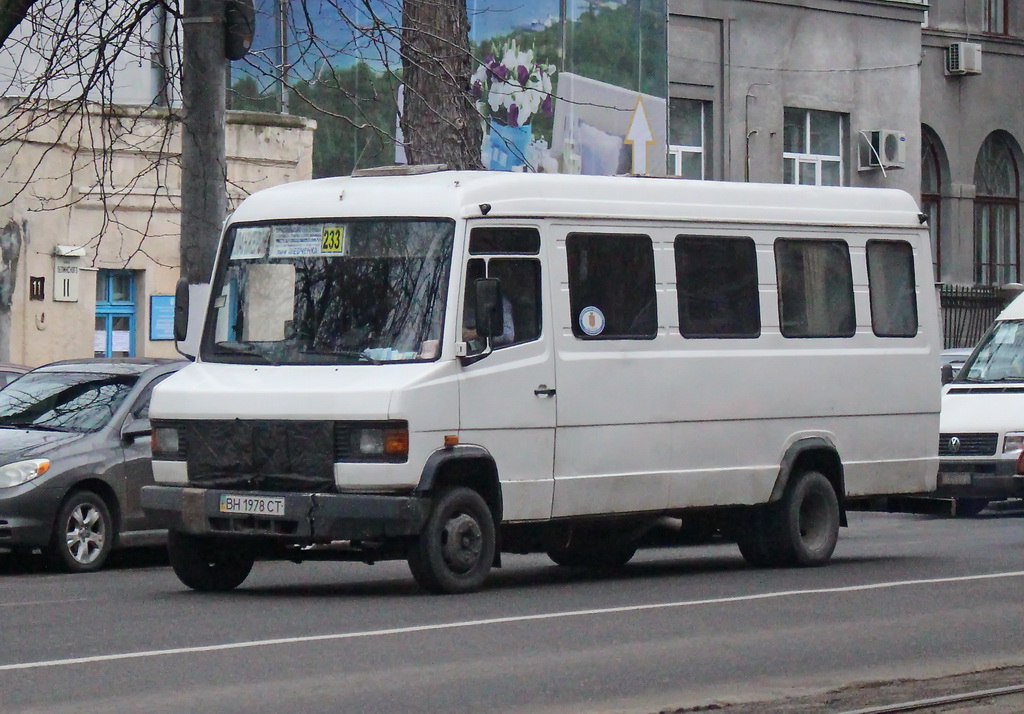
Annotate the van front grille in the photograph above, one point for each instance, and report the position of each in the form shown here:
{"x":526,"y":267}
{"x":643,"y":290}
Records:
{"x":968,"y":444}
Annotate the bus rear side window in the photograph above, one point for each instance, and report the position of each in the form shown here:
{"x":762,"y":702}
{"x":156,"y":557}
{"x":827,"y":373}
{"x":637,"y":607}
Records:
{"x":893,"y":288}
{"x":815,"y":288}
{"x":716,"y":284}
{"x":612,"y":293}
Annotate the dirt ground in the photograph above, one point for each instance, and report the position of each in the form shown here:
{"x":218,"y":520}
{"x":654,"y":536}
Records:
{"x":865,"y":696}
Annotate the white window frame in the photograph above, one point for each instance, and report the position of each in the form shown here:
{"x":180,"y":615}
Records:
{"x":806,"y":158}
{"x":677,"y":151}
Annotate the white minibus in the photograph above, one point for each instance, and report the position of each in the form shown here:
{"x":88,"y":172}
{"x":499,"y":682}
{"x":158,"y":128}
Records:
{"x":447,"y":366}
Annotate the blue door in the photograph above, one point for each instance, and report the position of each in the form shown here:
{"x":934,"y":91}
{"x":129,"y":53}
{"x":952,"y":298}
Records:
{"x":115,"y":314}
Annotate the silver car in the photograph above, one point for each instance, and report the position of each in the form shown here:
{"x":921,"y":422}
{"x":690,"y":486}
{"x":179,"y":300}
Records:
{"x":75,"y":452}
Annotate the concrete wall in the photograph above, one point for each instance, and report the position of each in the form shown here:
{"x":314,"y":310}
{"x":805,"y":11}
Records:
{"x":753,"y":59}
{"x":60,"y":188}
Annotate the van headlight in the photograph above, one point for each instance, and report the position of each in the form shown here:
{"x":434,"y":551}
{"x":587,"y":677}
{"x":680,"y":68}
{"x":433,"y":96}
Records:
{"x":1013,"y":441}
{"x":22,"y":471}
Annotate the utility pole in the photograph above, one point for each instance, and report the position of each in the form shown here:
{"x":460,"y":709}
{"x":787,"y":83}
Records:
{"x":203,"y":160}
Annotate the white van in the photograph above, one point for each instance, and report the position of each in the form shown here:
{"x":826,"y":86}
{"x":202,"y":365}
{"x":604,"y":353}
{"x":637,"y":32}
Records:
{"x":981,"y":444}
{"x":444,"y":366}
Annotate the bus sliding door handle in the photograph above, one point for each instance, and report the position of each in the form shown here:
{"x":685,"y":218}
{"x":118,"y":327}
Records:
{"x":544,"y":391}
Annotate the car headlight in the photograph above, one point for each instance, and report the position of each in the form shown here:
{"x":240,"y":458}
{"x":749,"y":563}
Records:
{"x":22,"y":471}
{"x":1013,"y":441}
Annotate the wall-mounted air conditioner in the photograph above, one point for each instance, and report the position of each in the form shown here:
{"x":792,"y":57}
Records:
{"x":883,"y":148}
{"x":963,"y":58}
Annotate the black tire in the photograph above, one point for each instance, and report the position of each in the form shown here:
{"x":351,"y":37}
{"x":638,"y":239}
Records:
{"x":208,"y":564}
{"x":969,"y":507}
{"x":83,"y":533}
{"x":752,"y":539}
{"x":801,"y":529}
{"x":806,"y":524}
{"x":455,"y":551}
{"x":593,"y":548}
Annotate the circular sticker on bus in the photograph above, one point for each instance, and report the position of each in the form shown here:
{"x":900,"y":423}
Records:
{"x":592,"y":320}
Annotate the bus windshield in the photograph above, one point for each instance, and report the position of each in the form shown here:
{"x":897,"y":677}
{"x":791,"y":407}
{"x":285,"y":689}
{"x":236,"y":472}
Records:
{"x":330,"y":292}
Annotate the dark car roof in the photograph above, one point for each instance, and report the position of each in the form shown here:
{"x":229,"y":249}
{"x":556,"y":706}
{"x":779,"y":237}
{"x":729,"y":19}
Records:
{"x":109,"y":365}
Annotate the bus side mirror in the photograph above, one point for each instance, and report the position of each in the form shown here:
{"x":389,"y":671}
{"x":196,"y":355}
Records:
{"x":181,"y":310}
{"x":490,"y":322}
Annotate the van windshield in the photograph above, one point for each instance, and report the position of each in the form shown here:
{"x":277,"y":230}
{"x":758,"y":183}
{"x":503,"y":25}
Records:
{"x":330,"y":292}
{"x":1000,"y":358}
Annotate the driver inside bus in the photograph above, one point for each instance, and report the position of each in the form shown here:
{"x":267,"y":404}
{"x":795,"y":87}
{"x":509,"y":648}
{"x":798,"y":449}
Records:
{"x":473,"y":339}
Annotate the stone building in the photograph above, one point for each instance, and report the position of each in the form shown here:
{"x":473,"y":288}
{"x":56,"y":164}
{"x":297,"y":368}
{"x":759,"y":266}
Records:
{"x":80,"y":276}
{"x":90,"y":181}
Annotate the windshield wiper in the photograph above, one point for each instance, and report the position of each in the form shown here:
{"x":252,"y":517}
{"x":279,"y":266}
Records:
{"x":242,"y":348}
{"x":30,"y":425}
{"x":357,"y":355}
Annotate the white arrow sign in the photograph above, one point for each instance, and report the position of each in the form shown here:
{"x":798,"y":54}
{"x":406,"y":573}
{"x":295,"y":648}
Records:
{"x":639,"y":135}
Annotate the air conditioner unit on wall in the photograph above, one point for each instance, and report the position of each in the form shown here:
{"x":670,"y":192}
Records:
{"x":963,"y":58}
{"x":883,"y":148}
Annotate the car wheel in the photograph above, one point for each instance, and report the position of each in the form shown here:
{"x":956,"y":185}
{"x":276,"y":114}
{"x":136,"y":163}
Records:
{"x":83,"y":534}
{"x":969,"y":507}
{"x":208,"y":564}
{"x":455,"y":550}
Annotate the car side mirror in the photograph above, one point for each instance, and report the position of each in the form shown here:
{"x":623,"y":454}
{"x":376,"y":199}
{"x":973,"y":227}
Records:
{"x":181,"y":310}
{"x":947,"y":373}
{"x":490,"y":321}
{"x":136,"y":428}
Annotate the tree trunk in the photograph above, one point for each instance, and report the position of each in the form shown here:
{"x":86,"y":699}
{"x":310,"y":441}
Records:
{"x":12,"y":12}
{"x":439,"y":120}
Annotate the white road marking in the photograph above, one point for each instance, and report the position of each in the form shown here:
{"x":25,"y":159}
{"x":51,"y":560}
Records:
{"x":504,"y":620}
{"x":28,"y":603}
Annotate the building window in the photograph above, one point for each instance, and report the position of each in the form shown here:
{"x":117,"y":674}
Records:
{"x":115,"y":314}
{"x":612,"y":295}
{"x":931,"y":198}
{"x":689,"y":138}
{"x":996,"y":214}
{"x":812,"y":147}
{"x":815,"y":288}
{"x":716,"y":286}
{"x":995,"y":16}
{"x":891,"y":285}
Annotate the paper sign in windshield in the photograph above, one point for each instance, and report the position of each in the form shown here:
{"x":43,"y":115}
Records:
{"x":250,"y":242}
{"x":307,"y":240}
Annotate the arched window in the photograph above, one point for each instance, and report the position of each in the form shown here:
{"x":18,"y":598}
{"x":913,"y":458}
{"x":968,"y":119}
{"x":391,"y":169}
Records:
{"x":931,"y":197}
{"x":996,"y":214}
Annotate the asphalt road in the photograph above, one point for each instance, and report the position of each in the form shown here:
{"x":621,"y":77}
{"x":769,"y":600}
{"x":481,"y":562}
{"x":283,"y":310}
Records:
{"x":906,"y":597}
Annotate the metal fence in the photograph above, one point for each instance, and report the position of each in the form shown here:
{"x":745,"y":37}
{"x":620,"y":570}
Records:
{"x":968,"y":310}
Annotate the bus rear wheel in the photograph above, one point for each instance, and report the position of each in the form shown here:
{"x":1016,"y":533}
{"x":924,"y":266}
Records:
{"x":801,"y":529}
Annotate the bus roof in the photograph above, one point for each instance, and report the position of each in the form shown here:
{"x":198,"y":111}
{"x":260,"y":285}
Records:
{"x":468,"y":194}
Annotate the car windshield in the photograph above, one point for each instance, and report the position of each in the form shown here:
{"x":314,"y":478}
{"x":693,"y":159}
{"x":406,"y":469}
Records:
{"x":63,"y":401}
{"x":335,"y":292}
{"x":1000,"y":358}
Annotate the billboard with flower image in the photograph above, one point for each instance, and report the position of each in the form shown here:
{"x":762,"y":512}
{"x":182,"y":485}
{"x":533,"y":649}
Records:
{"x":575,"y":87}
{"x":558,"y":84}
